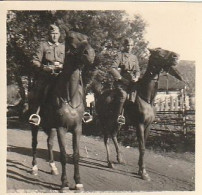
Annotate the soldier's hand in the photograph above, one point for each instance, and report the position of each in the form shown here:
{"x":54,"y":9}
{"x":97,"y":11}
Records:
{"x":48,"y":68}
{"x":59,"y":66}
{"x":135,"y":80}
{"x":57,"y":69}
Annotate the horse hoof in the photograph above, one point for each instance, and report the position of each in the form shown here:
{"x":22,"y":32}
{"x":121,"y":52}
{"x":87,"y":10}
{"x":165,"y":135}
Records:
{"x":55,"y":172}
{"x":139,"y":173}
{"x":35,"y":172}
{"x":146,"y":177}
{"x":110,"y":165}
{"x":121,"y":161}
{"x":64,"y":190}
{"x":79,"y":187}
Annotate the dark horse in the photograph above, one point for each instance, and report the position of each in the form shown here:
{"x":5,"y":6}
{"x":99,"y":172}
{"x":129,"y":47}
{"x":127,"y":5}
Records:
{"x":64,"y":107}
{"x":139,"y":112}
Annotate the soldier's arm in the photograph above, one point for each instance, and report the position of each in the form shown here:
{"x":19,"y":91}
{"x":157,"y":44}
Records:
{"x":136,"y":69}
{"x":114,"y":68}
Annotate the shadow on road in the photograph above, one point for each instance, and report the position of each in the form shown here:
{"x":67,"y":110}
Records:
{"x":85,"y":162}
{"x":29,"y":180}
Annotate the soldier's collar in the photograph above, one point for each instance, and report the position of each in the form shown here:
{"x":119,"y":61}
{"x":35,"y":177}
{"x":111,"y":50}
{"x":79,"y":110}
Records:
{"x":53,"y":43}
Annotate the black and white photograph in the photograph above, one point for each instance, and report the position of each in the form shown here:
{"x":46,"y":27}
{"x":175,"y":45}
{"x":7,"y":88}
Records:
{"x":100,"y":96}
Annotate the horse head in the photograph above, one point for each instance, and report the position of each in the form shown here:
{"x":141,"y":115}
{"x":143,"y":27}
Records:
{"x":164,"y":60}
{"x":77,"y":45}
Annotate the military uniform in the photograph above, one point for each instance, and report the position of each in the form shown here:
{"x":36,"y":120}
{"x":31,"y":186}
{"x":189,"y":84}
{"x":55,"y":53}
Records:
{"x":125,"y":70}
{"x":48,"y":55}
{"x":128,"y":66}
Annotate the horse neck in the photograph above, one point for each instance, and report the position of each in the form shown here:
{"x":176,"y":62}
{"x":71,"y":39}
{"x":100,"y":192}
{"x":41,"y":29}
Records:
{"x":71,"y":83}
{"x":148,"y":86}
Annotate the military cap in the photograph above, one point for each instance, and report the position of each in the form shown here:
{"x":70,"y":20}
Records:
{"x":54,"y":29}
{"x":128,"y":41}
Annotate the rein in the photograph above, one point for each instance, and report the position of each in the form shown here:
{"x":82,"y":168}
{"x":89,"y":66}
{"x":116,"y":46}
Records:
{"x":68,"y":101}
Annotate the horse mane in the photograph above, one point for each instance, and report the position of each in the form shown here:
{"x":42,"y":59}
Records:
{"x":74,"y":40}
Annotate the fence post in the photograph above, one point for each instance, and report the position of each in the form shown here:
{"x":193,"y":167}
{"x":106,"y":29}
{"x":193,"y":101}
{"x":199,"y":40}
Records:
{"x":176,"y":104}
{"x":192,"y":102}
{"x":161,"y":105}
{"x":171,"y":103}
{"x":166,"y":104}
{"x":157,"y":105}
{"x":184,"y":112}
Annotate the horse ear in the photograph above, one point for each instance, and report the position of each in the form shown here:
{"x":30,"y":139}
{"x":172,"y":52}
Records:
{"x":150,"y":50}
{"x":84,"y":42}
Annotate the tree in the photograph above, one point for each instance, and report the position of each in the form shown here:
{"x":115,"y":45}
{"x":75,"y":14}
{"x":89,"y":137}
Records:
{"x":105,"y":29}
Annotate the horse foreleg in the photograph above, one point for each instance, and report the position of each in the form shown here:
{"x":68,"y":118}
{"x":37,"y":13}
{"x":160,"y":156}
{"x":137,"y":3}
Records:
{"x":61,"y":140}
{"x":106,"y":142}
{"x":141,"y":140}
{"x":52,"y":133}
{"x":147,"y":129}
{"x":34,"y":130}
{"x":76,"y":141}
{"x":119,"y":155}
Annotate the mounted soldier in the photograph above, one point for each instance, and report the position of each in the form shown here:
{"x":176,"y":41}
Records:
{"x":125,"y":69}
{"x":47,"y":61}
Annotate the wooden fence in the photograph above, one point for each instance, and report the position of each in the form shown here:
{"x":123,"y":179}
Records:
{"x":174,"y":113}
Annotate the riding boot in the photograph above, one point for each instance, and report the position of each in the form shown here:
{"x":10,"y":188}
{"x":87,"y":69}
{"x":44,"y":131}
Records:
{"x":35,"y":118}
{"x":121,"y":118}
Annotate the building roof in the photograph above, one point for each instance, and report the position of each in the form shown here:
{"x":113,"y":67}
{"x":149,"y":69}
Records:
{"x":170,"y":83}
{"x":187,"y":71}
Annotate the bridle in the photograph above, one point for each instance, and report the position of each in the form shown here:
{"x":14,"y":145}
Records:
{"x":155,"y":79}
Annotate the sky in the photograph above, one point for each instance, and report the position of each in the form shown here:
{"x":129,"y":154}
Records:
{"x":175,"y":27}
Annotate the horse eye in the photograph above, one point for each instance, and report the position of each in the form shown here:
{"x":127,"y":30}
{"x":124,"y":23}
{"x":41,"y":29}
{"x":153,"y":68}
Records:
{"x":174,"y":55}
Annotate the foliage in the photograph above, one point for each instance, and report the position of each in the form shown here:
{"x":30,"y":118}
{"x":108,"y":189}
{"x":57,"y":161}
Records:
{"x":105,"y":29}
{"x":187,"y":69}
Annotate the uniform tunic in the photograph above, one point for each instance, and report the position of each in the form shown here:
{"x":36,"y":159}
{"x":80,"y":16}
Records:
{"x":125,"y":65}
{"x":48,"y":53}
{"x":128,"y":65}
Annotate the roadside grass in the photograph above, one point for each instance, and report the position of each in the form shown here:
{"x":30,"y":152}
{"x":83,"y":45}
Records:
{"x":175,"y":145}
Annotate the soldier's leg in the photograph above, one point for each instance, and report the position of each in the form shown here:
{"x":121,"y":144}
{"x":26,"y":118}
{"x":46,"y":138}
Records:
{"x":35,"y":100}
{"x":49,"y":84}
{"x":122,"y":95}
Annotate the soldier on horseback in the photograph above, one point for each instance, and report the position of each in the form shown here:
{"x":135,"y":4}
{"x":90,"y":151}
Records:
{"x":48,"y":59}
{"x":125,"y":70}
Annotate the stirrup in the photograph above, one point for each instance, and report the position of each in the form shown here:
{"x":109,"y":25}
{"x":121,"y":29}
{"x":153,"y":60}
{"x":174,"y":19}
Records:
{"x":35,"y":119}
{"x":87,"y":117}
{"x":121,"y":120}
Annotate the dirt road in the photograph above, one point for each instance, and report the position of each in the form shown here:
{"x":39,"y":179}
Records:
{"x":168,"y":174}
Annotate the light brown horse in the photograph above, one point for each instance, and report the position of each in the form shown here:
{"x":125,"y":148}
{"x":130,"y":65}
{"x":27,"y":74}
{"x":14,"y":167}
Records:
{"x":64,"y":108}
{"x":139,"y":113}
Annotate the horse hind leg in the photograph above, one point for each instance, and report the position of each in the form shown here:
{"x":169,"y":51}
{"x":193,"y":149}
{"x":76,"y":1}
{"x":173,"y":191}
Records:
{"x":50,"y":143}
{"x":106,"y":143}
{"x":34,"y":130}
{"x":141,"y":140}
{"x":119,"y":155}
